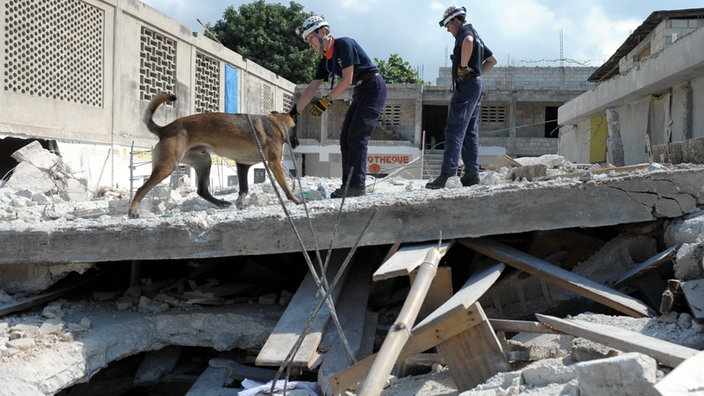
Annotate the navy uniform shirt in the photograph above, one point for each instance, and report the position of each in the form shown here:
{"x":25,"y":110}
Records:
{"x":346,"y":53}
{"x":479,"y":51}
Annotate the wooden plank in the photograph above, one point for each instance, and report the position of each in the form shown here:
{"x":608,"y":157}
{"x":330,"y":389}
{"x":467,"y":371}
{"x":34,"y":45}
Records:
{"x":440,"y":291}
{"x":685,"y":379}
{"x":475,"y":287}
{"x":561,"y":277}
{"x":352,"y":314}
{"x":665,"y":352}
{"x":419,"y":341}
{"x":400,"y":331}
{"x":405,"y":260}
{"x":648,"y":265}
{"x":452,"y":318}
{"x":521,"y":326}
{"x":694,"y":294}
{"x":474,"y":355}
{"x":293,"y":321}
{"x":392,"y":250}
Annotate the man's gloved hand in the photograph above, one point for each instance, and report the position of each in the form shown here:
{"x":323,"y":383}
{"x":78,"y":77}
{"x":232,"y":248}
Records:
{"x":464,"y":74}
{"x":320,"y":106}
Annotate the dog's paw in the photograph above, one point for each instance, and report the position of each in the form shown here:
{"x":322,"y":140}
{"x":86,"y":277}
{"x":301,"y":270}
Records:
{"x":240,"y":204}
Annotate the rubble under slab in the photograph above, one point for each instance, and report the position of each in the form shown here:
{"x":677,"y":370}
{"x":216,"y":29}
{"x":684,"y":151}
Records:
{"x":71,"y":342}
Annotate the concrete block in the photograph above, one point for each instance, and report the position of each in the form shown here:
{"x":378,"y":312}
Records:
{"x":630,"y":374}
{"x":36,"y":155}
{"x":689,"y":264}
{"x":28,"y":177}
{"x":584,"y":350}
{"x":545,"y":373}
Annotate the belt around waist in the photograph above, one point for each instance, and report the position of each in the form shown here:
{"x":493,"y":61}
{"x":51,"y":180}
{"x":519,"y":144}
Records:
{"x":367,"y":77}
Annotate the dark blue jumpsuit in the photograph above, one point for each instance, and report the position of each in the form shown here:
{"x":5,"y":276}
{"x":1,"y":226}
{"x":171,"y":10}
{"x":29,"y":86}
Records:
{"x":462,"y":126}
{"x":368,"y":100}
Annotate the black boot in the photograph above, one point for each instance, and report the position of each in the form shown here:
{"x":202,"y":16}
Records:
{"x":469,"y":179}
{"x":439,"y":182}
{"x":351,"y":192}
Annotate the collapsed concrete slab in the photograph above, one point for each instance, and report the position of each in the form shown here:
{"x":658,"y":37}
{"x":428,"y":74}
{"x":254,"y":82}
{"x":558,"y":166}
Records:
{"x":405,"y":216}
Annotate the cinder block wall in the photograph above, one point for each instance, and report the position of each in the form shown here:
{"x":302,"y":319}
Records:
{"x":85,"y":70}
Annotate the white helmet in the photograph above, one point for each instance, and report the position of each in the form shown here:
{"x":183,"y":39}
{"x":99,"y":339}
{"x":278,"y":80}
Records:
{"x":451,"y":12}
{"x":310,"y":25}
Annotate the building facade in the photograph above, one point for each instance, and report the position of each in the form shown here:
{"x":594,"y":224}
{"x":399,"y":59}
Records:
{"x":78,"y":75}
{"x":647,"y":104}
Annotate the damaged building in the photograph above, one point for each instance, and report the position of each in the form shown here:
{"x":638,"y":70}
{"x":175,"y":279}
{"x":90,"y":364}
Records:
{"x":575,"y":266}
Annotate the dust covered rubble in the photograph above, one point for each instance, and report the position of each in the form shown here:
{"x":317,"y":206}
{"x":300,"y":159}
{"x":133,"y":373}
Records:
{"x":557,"y":364}
{"x":30,"y":344}
{"x":42,"y":192}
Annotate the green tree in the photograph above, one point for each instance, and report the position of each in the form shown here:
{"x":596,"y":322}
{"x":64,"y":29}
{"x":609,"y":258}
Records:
{"x":398,"y":71}
{"x":265,"y":34}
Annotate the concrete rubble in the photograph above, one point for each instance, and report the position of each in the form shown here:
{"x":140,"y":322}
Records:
{"x":69,"y":340}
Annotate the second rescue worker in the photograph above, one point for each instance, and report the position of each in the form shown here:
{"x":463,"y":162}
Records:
{"x":470,"y":59}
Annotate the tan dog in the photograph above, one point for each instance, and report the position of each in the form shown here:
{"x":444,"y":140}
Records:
{"x":189,"y":140}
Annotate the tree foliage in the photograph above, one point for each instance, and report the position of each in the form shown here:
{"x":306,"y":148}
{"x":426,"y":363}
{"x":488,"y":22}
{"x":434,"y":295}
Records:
{"x":398,"y":71}
{"x":265,"y":34}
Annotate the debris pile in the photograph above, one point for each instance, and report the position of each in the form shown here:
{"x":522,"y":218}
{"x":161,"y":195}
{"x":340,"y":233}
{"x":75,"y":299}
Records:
{"x":609,"y":310}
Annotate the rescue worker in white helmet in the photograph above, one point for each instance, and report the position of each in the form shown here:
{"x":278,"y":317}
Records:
{"x":470,"y":59}
{"x":343,"y":57}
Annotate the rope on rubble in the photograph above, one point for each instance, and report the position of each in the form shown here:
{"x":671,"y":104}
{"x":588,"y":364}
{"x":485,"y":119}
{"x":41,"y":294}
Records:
{"x":321,"y":286}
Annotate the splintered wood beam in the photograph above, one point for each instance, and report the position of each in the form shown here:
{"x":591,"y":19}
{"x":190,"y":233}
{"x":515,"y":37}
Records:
{"x":650,"y":264}
{"x":420,"y":341}
{"x":665,"y":352}
{"x":406,"y":260}
{"x":559,"y":276}
{"x":454,"y":317}
{"x":401,"y":330}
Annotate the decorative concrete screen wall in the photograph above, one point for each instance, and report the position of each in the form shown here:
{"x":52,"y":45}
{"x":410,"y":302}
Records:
{"x":84,"y":70}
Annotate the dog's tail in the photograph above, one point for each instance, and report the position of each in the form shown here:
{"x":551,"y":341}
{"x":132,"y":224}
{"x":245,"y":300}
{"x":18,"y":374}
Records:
{"x":157,"y":100}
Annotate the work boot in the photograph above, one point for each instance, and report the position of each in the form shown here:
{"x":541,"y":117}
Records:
{"x":439,"y":182}
{"x":351,"y":192}
{"x":469,"y":179}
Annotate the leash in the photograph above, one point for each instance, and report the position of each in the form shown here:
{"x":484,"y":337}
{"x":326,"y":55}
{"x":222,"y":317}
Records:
{"x":323,"y":286}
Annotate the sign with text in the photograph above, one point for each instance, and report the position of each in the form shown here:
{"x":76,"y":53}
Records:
{"x":378,"y":163}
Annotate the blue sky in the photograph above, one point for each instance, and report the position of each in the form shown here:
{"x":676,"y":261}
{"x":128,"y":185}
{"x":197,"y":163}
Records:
{"x":519,"y":32}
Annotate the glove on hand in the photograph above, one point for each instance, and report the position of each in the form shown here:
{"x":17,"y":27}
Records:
{"x":464,"y":74}
{"x":320,"y":106}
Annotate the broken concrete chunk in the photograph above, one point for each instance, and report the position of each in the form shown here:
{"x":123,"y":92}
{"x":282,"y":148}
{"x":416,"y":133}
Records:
{"x":687,"y":230}
{"x":628,"y":374}
{"x":37,"y":156}
{"x":28,"y":177}
{"x":689,"y":264}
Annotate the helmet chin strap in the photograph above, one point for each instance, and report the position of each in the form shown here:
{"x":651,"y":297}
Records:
{"x":321,"y":40}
